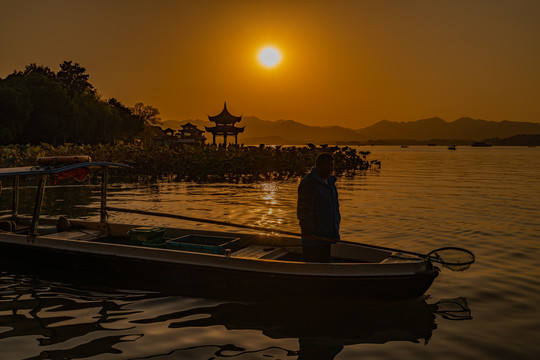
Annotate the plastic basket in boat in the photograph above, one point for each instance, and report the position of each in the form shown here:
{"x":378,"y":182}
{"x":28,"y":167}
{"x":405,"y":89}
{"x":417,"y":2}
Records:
{"x":151,"y":235}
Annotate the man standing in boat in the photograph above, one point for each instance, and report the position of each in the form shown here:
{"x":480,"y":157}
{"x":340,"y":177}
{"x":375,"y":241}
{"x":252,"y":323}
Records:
{"x":318,"y":210}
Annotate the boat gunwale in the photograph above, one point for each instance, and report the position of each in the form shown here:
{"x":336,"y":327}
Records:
{"x":219,"y":261}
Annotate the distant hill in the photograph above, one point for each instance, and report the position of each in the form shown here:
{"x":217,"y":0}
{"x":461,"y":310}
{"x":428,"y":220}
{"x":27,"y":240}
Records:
{"x":292,"y":132}
{"x":300,"y":133}
{"x":516,"y":140}
{"x":280,"y":131}
{"x":436,"y":128}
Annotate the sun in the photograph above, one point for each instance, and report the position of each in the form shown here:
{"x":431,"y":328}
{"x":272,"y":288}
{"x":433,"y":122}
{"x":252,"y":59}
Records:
{"x":269,"y":56}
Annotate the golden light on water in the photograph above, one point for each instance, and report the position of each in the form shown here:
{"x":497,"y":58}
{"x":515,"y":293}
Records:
{"x":269,"y":56}
{"x":270,"y":215}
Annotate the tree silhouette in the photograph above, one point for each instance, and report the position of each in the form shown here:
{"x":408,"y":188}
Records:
{"x":15,"y":109}
{"x":38,"y":105}
{"x":74,"y":78}
{"x":33,"y":68}
{"x":131,"y":125}
{"x":149,"y":115}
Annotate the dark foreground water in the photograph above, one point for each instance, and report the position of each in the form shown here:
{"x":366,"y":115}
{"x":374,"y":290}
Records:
{"x":484,"y":199}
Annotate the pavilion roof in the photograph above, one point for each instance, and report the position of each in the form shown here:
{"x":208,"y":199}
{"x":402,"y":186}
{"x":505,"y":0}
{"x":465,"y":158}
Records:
{"x":189,"y":126}
{"x":224,"y":117}
{"x":225,"y":129}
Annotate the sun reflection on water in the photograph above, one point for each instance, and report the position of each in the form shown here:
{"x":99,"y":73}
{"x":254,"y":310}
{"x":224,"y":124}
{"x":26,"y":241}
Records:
{"x":269,"y":216}
{"x":269,"y":193}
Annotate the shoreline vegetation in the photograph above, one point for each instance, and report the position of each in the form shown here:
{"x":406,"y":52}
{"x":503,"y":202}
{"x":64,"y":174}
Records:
{"x":206,"y":164}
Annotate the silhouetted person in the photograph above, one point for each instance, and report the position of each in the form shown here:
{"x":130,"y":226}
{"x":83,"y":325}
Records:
{"x":318,"y":210}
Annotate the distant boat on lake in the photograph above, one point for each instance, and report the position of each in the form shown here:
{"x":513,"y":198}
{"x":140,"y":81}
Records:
{"x":452,"y":147}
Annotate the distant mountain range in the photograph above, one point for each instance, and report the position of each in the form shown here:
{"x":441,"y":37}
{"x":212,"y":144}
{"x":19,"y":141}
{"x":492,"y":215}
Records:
{"x":433,"y":130}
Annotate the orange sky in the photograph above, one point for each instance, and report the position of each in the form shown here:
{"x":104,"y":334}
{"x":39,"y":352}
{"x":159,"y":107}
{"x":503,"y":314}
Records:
{"x":345,"y":62}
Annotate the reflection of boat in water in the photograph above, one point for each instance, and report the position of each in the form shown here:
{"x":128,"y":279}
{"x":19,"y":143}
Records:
{"x":51,"y":314}
{"x":212,"y":264}
{"x":349,"y":322}
{"x":322,"y":327}
{"x":58,"y":316}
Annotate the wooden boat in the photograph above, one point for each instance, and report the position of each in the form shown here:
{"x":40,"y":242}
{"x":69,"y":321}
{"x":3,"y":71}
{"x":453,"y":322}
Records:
{"x":245,"y":266}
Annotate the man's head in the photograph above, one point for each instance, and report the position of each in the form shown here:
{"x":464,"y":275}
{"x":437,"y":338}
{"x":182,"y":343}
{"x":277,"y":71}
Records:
{"x":324,"y":164}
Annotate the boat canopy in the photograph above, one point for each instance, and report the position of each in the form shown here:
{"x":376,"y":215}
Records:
{"x":48,"y":170}
{"x":56,"y":166}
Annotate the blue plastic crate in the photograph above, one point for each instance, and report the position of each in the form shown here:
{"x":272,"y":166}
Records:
{"x":203,"y":244}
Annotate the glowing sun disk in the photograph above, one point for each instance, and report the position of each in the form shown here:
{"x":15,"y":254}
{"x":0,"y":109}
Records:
{"x":269,"y":56}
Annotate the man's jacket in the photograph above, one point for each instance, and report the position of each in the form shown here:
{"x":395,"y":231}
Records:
{"x":318,"y":207}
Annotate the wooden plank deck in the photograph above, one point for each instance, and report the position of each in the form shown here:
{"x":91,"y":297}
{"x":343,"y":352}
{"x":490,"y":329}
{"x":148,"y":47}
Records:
{"x":259,"y":252}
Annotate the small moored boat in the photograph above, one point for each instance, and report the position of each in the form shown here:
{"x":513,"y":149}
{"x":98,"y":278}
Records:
{"x":193,"y":262}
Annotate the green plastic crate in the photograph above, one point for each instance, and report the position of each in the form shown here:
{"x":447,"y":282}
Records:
{"x":152,"y":235}
{"x":203,"y":244}
{"x":46,"y":229}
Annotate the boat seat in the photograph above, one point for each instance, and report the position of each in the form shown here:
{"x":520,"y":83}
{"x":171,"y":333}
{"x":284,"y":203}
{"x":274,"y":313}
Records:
{"x":12,"y":227}
{"x":260,"y":252}
{"x":77,"y":234}
{"x":7,"y":225}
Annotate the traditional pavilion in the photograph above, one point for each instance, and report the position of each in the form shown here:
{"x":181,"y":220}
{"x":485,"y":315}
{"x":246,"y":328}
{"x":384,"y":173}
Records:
{"x":169,"y":132}
{"x":225,"y":126}
{"x":191,"y":134}
{"x":162,"y":136}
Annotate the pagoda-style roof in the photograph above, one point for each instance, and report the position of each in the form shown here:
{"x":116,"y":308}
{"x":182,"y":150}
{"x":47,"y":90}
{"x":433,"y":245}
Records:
{"x":189,"y":126}
{"x":225,"y":129}
{"x":224,"y":117}
{"x":190,"y":131}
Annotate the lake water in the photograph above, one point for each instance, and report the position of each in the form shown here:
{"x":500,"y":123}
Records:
{"x":483,"y":199}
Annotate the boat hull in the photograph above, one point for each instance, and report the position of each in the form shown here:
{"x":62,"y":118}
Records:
{"x":204,"y":275}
